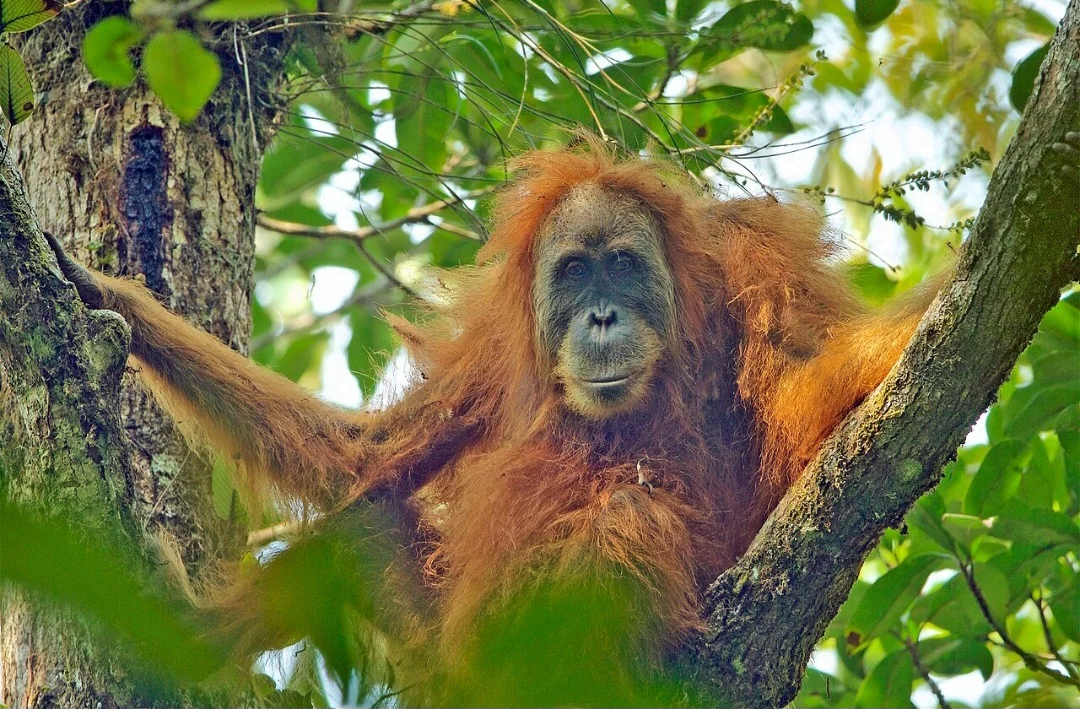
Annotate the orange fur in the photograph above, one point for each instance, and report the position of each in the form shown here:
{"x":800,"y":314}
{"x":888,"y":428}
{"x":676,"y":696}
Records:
{"x":772,"y":351}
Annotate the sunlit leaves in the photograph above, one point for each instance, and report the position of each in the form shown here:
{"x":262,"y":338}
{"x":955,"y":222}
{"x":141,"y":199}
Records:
{"x":107,"y":50}
{"x":1000,"y":530}
{"x":178,"y":68}
{"x":181,"y":72}
{"x":16,"y":92}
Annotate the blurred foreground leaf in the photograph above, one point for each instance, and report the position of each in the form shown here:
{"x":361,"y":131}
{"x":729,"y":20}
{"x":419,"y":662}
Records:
{"x":50,"y":560}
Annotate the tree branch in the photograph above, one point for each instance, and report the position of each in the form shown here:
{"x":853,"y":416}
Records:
{"x":1048,"y":635}
{"x":417,"y":215}
{"x":1030,"y":661}
{"x":766,"y":613}
{"x":913,"y":650}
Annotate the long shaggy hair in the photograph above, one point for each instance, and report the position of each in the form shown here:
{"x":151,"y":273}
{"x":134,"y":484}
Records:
{"x":493,"y":483}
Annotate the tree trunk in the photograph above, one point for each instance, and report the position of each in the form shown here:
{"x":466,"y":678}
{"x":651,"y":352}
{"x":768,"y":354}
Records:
{"x":130,"y":191}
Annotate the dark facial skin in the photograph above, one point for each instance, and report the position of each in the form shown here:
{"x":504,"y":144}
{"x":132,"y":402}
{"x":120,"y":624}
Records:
{"x":604,"y":299}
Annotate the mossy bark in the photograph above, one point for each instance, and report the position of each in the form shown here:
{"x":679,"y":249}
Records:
{"x":768,"y":611}
{"x":130,"y":191}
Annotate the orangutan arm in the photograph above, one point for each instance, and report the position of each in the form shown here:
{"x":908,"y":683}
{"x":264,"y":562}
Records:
{"x":810,"y":351}
{"x":277,"y":432}
{"x":813,"y":397}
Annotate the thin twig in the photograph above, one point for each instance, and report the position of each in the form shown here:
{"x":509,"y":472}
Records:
{"x":1032,"y":662}
{"x":1050,"y":644}
{"x":417,"y":215}
{"x":454,"y":229}
{"x":656,"y":94}
{"x":259,"y":537}
{"x":309,"y":322}
{"x":386,"y":272}
{"x":916,"y":659}
{"x":241,"y":59}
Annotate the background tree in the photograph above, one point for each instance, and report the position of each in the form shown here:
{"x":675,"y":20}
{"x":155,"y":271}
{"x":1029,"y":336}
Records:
{"x":384,"y":132}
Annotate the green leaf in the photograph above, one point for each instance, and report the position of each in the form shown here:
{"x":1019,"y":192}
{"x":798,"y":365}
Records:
{"x":1064,"y":319}
{"x":951,"y":655}
{"x":424,"y":117}
{"x":994,"y":586}
{"x":873,"y":282}
{"x":21,"y":15}
{"x":298,"y":162}
{"x":95,"y":579}
{"x":871,"y":13}
{"x":686,"y":10}
{"x":951,"y":607}
{"x":778,"y":122}
{"x":889,"y":684}
{"x":1038,"y":527}
{"x":16,"y":91}
{"x":1070,"y":451}
{"x":242,"y":9}
{"x":1033,"y":408}
{"x":371,"y":345}
{"x":988,"y":489}
{"x":107,"y":50}
{"x":887,"y":599}
{"x":649,"y":9}
{"x":926,"y":517}
{"x":1060,"y":367}
{"x":964,"y":528}
{"x":1023,"y":77}
{"x":1065,"y":605}
{"x":181,"y":72}
{"x":304,"y":352}
{"x":1027,"y":570}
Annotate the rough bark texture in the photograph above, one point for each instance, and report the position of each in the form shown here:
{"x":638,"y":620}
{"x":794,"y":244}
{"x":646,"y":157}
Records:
{"x":130,"y":191}
{"x":767,"y":612}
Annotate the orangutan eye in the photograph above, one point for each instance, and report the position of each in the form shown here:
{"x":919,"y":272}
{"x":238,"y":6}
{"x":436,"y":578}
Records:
{"x":575,"y":268}
{"x":623,"y":262}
